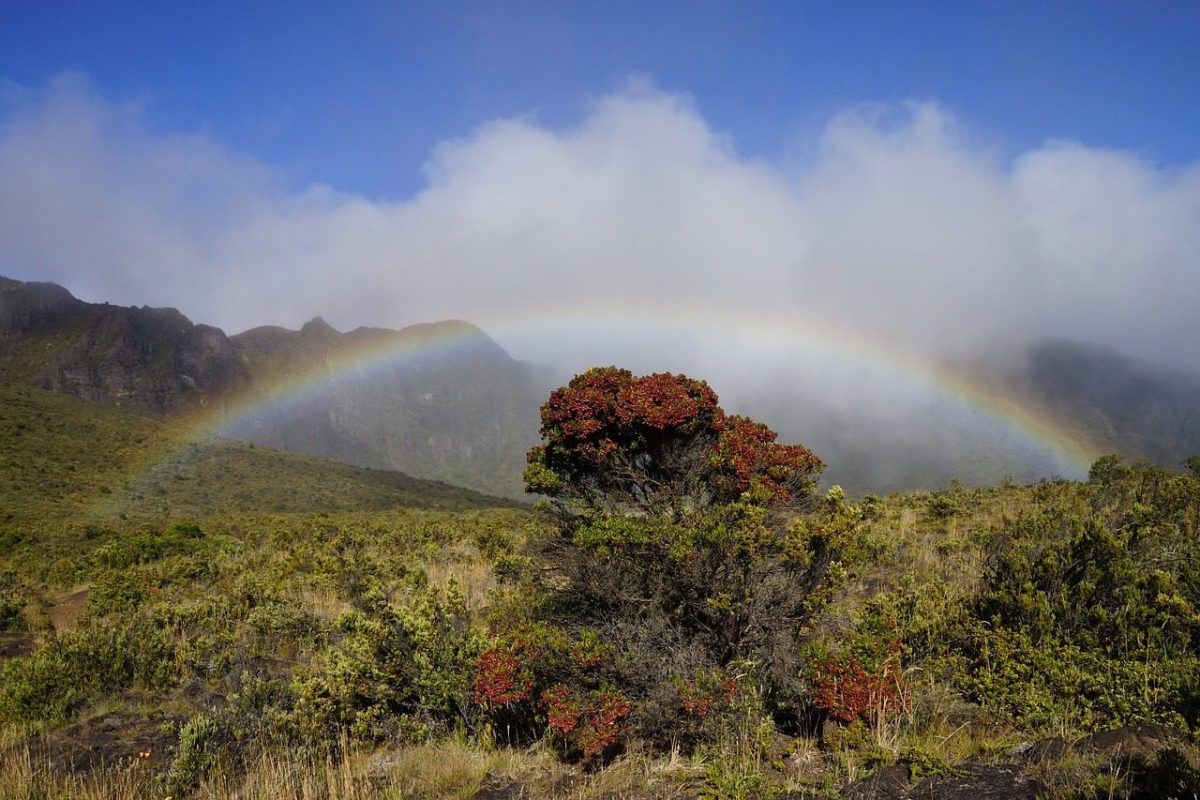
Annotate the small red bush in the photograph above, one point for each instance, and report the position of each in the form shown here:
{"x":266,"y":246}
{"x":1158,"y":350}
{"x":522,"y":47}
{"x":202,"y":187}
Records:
{"x":591,"y":727}
{"x":500,"y":679}
{"x":846,"y":691}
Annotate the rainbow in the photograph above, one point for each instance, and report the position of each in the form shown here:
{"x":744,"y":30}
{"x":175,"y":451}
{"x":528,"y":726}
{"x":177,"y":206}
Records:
{"x":375,"y":349}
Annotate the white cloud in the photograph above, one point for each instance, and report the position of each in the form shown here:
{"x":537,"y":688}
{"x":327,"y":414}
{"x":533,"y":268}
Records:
{"x":901,"y":225}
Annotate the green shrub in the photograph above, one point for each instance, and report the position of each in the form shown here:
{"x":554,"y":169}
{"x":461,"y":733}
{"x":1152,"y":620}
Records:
{"x":397,"y":670}
{"x":74,"y":668}
{"x":144,"y":547}
{"x":117,"y":591}
{"x":12,"y":602}
{"x":197,"y":754}
{"x":1089,"y":610}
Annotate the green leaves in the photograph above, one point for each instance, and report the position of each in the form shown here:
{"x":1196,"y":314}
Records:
{"x":1087,"y":611}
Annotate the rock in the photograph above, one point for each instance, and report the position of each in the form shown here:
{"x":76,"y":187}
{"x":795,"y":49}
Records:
{"x":978,"y":782}
{"x":967,"y":782}
{"x":118,"y":739}
{"x":1141,"y":740}
{"x":1046,"y":749}
{"x":888,"y":783}
{"x":500,"y":789}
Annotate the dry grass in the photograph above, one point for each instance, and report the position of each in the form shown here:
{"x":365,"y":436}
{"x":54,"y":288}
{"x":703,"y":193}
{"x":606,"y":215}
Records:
{"x":24,"y":778}
{"x":325,"y":603}
{"x":470,"y":570}
{"x":443,"y":771}
{"x":277,"y":776}
{"x":67,"y":608}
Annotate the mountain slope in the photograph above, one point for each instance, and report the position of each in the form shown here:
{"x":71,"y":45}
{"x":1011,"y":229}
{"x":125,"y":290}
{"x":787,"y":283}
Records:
{"x":440,"y":401}
{"x":1126,"y":405}
{"x":64,"y":458}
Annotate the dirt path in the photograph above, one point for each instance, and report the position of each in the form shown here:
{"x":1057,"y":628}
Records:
{"x":65,"y":611}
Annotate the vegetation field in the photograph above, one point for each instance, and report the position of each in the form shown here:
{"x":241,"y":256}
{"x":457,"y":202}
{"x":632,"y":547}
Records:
{"x":222,"y":621}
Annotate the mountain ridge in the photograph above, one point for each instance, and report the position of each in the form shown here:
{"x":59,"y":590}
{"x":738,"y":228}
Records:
{"x":1128,"y":405}
{"x":449,"y":404}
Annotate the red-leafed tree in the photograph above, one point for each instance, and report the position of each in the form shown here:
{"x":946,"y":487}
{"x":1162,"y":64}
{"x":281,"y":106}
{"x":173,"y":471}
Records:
{"x":690,"y":551}
{"x":615,"y":442}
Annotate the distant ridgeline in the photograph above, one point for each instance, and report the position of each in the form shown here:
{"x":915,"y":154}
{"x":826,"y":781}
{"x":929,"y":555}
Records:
{"x":440,"y":401}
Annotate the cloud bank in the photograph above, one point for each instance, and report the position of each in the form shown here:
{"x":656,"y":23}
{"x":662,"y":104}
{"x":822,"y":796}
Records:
{"x":898,"y":224}
{"x":896,"y":221}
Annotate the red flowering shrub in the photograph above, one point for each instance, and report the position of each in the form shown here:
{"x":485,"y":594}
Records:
{"x":561,"y":715}
{"x":592,"y":727}
{"x":614,"y":440}
{"x":847,"y":691}
{"x":603,"y":723}
{"x":500,"y":679}
{"x":680,"y":550}
{"x":536,"y":679}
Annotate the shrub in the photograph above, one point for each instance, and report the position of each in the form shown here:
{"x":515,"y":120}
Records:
{"x":1089,"y":610}
{"x":686,"y":541}
{"x":85,"y":664}
{"x":11,"y":602}
{"x":616,"y":442}
{"x":197,"y":753}
{"x":396,"y":667}
{"x":846,"y":691}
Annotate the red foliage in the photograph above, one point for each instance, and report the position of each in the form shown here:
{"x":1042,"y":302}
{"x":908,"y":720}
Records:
{"x":592,"y":727}
{"x":649,"y":421}
{"x":608,"y":409}
{"x":847,"y":691}
{"x":500,"y":679}
{"x":561,"y":714}
{"x":697,"y":706}
{"x":702,"y":695}
{"x":603,"y":725}
{"x":749,"y":449}
{"x":664,"y":401}
{"x":583,"y":413}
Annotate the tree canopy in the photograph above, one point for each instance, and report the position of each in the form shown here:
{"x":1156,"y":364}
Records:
{"x":616,"y":442}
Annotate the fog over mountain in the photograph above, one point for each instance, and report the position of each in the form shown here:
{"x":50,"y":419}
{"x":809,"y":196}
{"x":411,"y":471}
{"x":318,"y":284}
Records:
{"x":807,"y":287}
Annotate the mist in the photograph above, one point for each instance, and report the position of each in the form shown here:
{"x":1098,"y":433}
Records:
{"x":640,"y":236}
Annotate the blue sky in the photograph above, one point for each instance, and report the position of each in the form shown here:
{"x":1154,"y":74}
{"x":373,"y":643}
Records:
{"x":356,"y":95}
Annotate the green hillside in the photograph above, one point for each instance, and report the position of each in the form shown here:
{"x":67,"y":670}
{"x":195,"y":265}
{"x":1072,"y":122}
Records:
{"x":62,"y":458}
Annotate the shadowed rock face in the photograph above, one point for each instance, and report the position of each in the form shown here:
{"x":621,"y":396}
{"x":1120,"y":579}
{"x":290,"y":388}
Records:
{"x":968,"y":782}
{"x":154,"y":359}
{"x":27,"y":306}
